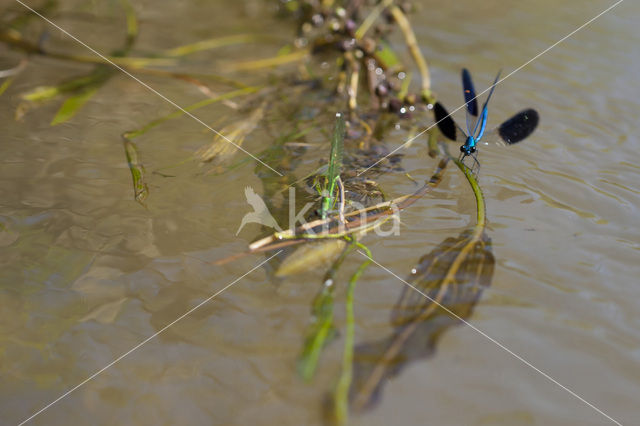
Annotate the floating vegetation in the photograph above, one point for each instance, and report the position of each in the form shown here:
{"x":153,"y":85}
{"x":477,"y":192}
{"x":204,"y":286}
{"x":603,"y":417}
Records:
{"x":82,"y":89}
{"x":310,"y":256}
{"x":342,"y":71}
{"x":80,"y":96}
{"x":227,"y":141}
{"x":132,"y":134}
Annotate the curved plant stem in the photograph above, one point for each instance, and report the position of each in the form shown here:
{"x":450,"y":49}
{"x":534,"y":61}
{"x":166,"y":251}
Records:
{"x":481,"y":218}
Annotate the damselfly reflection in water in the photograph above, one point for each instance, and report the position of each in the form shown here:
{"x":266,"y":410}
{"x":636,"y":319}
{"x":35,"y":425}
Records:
{"x":512,"y":131}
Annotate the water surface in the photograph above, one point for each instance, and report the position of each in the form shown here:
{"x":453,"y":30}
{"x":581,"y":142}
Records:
{"x":88,"y":273}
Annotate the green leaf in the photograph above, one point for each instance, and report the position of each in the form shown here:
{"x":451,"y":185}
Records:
{"x":132,"y":25}
{"x":335,"y":163}
{"x":212,"y":43}
{"x":45,"y":93}
{"x":230,"y":95}
{"x":72,"y":105}
{"x":387,"y":57}
{"x":341,"y":395}
{"x":5,"y":85}
{"x":320,"y":330}
{"x":337,"y":149}
{"x":318,"y":333}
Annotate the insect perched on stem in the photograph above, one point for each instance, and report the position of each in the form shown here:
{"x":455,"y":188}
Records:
{"x":512,"y":131}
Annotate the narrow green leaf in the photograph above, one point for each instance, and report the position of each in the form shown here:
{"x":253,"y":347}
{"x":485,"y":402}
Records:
{"x":335,"y":164}
{"x":341,"y":395}
{"x":45,"y":93}
{"x":212,"y":43}
{"x":318,"y":333}
{"x":320,"y":329}
{"x":5,"y":85}
{"x":72,"y":105}
{"x":404,"y":88}
{"x":132,"y":25}
{"x":275,"y":61}
{"x":337,"y":149}
{"x":144,"y":129}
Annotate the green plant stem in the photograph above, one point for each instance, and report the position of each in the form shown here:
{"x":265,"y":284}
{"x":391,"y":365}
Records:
{"x":132,"y":134}
{"x":212,"y":43}
{"x":275,"y":61}
{"x":406,"y":83}
{"x":341,"y":396}
{"x":335,"y":165}
{"x":321,"y":325}
{"x":371,"y":18}
{"x":481,"y":218}
{"x":132,"y":26}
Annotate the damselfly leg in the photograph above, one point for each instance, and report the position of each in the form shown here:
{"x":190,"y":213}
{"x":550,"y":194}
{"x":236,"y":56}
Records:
{"x":474,"y":167}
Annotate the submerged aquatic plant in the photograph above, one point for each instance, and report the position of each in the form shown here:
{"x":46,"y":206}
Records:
{"x":369,"y":82}
{"x":441,"y":291}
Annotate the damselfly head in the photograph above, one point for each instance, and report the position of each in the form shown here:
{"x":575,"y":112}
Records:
{"x":467,"y":150}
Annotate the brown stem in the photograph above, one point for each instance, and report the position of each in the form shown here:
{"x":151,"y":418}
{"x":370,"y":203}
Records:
{"x":414,"y":49}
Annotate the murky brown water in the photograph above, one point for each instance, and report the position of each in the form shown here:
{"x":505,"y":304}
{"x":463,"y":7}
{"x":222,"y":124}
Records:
{"x":88,"y":274}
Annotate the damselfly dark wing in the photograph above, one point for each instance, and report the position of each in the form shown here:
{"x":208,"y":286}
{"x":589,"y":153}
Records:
{"x":519,"y":127}
{"x":514,"y":130}
{"x":469,"y":99}
{"x":447,"y":125}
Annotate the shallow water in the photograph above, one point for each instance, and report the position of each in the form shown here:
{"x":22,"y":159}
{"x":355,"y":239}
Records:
{"x":88,"y":273}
